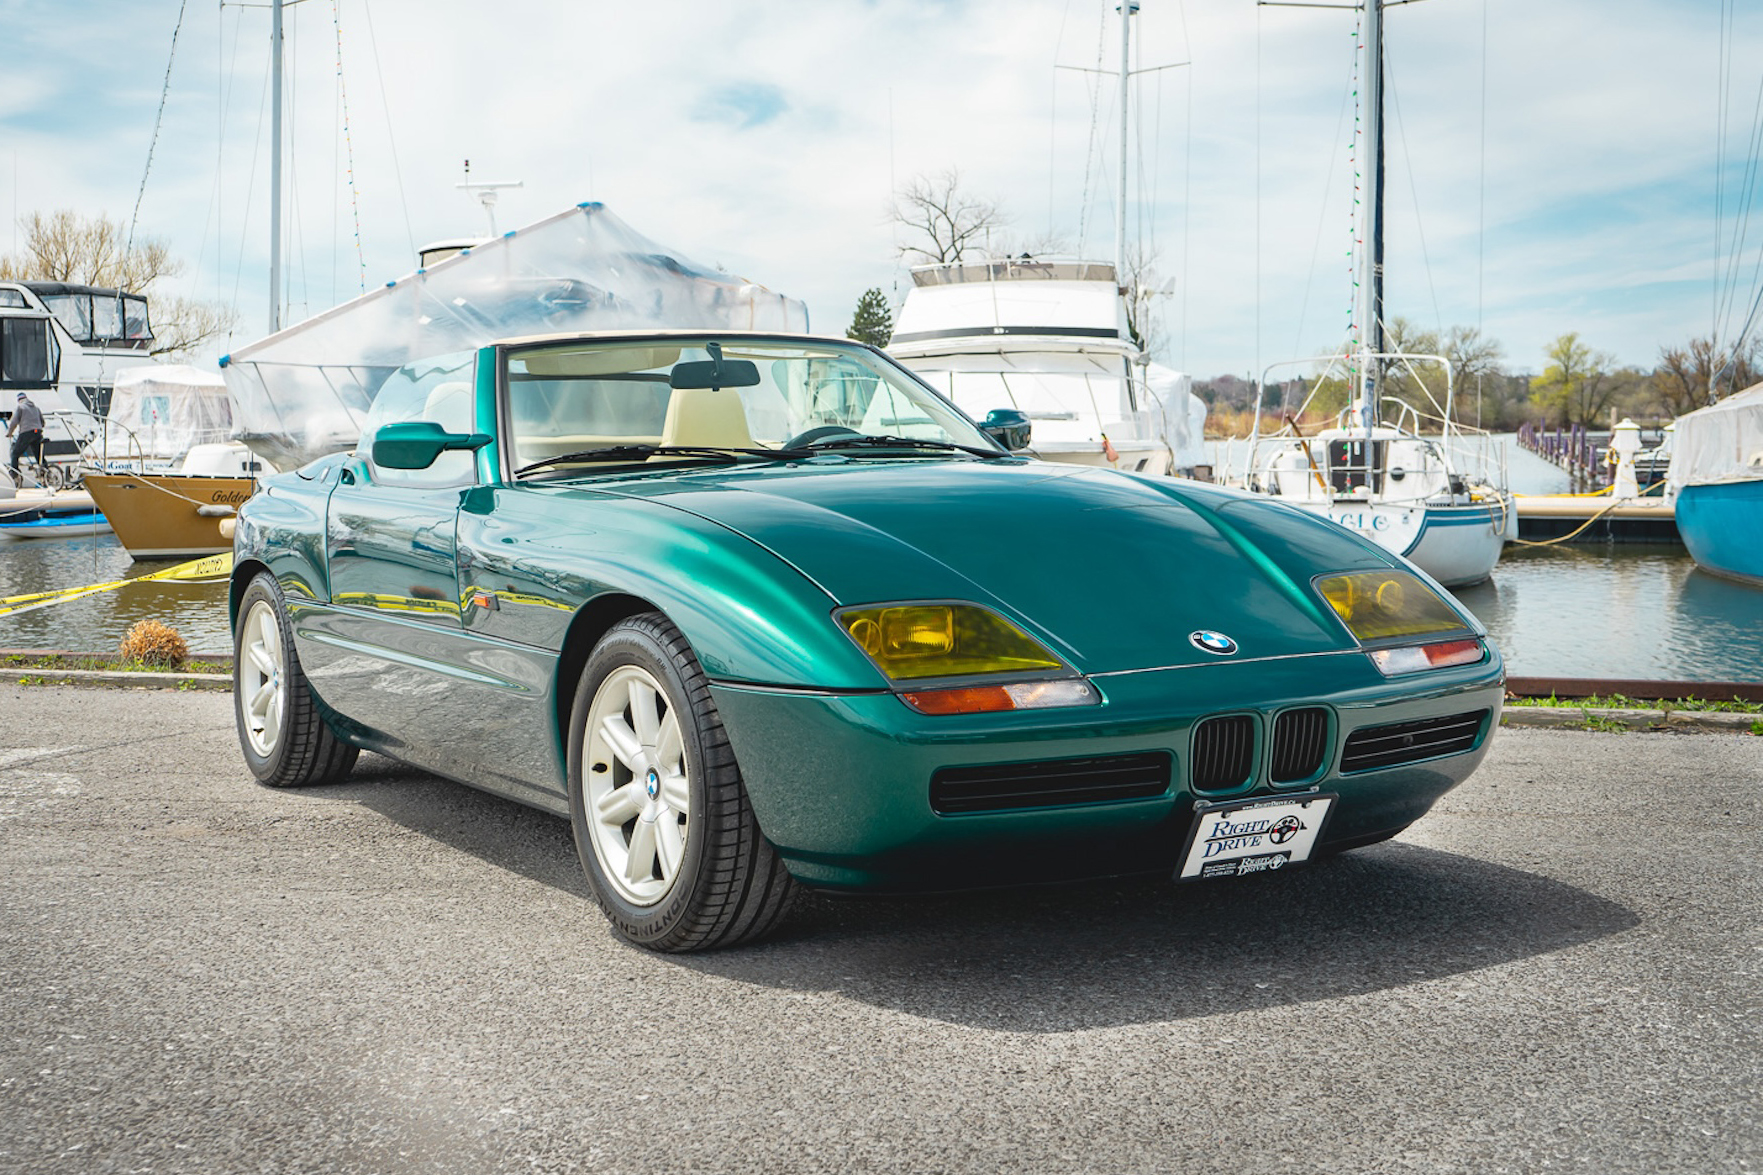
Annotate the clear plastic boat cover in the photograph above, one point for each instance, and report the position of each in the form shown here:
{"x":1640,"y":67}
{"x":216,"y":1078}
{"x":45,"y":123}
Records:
{"x":304,"y":391}
{"x":160,"y":411}
{"x":1722,"y":442}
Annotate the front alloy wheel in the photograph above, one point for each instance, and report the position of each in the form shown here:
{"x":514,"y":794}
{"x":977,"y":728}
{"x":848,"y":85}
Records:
{"x":662,"y":822}
{"x":639,"y":796}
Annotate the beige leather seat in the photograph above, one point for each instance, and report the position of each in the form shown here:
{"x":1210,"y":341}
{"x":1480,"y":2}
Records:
{"x":706,"y":416}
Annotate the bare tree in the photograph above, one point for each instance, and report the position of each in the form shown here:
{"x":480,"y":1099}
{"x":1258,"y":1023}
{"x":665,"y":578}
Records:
{"x":945,"y":221}
{"x":1473,"y":356}
{"x":66,"y":247}
{"x":1683,"y":377}
{"x":1139,"y":286}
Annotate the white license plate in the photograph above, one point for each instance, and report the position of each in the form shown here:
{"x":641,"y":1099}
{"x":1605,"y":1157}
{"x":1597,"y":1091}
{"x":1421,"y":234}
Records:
{"x":1253,"y":836}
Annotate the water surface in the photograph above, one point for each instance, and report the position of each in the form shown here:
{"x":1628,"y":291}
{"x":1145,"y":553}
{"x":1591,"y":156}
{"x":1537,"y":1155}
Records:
{"x":1641,"y":611}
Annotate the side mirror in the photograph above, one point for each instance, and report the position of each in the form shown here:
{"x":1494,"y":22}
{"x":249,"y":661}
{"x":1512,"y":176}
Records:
{"x":1008,"y":427}
{"x":415,"y":444}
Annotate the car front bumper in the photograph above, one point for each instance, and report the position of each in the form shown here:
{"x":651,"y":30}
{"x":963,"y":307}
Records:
{"x":841,"y":783}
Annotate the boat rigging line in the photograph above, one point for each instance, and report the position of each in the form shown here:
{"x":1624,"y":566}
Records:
{"x":1726,"y":276}
{"x":349,"y":149}
{"x":158,"y":120}
{"x":373,"y":47}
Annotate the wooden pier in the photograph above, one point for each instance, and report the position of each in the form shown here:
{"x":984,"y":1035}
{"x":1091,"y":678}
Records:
{"x":1585,"y":455}
{"x":1596,"y":518}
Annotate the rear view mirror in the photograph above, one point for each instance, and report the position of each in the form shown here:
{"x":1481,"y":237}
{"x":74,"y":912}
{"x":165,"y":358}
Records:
{"x":1009,"y":427}
{"x":715,"y":372}
{"x":415,"y":444}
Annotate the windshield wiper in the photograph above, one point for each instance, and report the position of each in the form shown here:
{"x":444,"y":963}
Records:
{"x":644,"y":452}
{"x":887,"y":442}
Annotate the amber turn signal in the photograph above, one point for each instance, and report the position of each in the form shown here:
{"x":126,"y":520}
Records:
{"x":1413,"y":658}
{"x":984,"y":699}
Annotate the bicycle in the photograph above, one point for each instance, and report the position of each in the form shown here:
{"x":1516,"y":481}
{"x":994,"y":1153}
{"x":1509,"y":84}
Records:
{"x":35,"y":472}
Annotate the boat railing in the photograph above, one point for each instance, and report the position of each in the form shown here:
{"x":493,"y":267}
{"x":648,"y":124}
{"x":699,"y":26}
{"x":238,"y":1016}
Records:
{"x":72,"y":425}
{"x":135,"y":454}
{"x":1468,"y":454}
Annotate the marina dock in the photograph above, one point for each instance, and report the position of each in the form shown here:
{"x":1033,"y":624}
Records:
{"x":1595,"y":518}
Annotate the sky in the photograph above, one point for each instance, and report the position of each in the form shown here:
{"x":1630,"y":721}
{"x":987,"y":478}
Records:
{"x":1553,"y":165}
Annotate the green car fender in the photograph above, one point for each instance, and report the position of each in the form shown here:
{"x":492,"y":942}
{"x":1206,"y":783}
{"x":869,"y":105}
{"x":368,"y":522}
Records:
{"x":567,"y":562}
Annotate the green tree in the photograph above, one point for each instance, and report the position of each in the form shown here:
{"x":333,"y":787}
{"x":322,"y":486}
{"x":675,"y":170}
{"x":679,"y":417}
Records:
{"x":67,"y":247}
{"x":871,"y":323}
{"x":1576,"y":386}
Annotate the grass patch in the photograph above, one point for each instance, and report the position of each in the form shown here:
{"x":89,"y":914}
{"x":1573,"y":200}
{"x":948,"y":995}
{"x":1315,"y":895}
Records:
{"x":110,"y":664}
{"x":1623,"y":702}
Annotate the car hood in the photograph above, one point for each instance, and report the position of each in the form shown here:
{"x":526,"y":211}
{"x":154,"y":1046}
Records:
{"x":1115,"y":572}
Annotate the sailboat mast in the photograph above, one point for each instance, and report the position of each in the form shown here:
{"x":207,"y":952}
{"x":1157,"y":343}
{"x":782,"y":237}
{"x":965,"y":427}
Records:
{"x":1371,"y":254}
{"x":275,"y":167}
{"x":1127,"y":9}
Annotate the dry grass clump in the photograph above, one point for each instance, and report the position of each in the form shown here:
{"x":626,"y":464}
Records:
{"x":153,"y":643}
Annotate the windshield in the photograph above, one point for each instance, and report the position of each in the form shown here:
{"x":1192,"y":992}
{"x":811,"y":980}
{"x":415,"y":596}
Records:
{"x":585,"y":395}
{"x":103,"y":316}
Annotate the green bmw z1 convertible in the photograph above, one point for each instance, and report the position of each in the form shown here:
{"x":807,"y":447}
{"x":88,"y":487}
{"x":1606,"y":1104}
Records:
{"x":763,"y":611}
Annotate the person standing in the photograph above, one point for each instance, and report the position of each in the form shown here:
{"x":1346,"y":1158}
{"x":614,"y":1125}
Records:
{"x":27,"y":424}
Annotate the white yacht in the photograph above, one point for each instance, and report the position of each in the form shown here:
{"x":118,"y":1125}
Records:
{"x":65,"y":344}
{"x":1049,"y":338}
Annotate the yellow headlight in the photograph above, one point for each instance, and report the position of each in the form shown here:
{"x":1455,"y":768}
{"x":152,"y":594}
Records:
{"x":913,"y":641}
{"x":1387,"y":605}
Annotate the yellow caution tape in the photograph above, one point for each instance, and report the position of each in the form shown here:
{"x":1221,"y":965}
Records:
{"x":205,"y":569}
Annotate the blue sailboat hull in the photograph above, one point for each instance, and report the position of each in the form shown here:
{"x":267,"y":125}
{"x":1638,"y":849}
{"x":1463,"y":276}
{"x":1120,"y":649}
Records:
{"x":1722,"y":525}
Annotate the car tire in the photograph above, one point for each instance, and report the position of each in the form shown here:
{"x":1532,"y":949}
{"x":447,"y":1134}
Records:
{"x":286,"y":740}
{"x":662,"y":821}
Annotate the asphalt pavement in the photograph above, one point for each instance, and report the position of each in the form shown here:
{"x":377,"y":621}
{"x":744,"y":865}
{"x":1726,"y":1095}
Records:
{"x":1560,"y":968}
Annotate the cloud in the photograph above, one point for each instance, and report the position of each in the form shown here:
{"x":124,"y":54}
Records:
{"x":742,"y":105}
{"x":1580,"y":197}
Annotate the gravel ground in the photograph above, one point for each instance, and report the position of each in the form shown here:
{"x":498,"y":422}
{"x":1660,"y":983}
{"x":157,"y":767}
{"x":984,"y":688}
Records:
{"x":1559,"y":968}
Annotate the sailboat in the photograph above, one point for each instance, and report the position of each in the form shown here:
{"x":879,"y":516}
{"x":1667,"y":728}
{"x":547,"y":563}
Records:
{"x":1372,"y":470}
{"x":1716,"y":482}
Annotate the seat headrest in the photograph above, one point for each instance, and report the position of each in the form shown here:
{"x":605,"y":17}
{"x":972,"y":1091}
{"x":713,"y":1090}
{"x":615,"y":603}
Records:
{"x":706,"y":416}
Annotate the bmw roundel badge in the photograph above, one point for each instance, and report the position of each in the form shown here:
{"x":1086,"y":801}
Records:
{"x":1213,"y":642}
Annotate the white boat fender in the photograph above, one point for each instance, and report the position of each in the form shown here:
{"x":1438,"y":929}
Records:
{"x":217,"y":510}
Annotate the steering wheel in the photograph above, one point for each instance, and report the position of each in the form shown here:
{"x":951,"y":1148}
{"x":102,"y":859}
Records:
{"x":817,"y":433}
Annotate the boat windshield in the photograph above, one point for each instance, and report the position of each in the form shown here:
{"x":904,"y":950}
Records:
{"x":100,"y":316}
{"x":729,"y":393}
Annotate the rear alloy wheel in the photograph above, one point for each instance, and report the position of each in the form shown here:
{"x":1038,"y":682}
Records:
{"x":283,"y":734}
{"x":662,"y":822}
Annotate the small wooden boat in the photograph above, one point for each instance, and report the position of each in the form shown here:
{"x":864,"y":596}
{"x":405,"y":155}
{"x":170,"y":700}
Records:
{"x":161,"y":515}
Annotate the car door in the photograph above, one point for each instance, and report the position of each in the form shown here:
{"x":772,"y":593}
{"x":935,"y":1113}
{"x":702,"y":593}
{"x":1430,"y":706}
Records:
{"x":390,"y":655}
